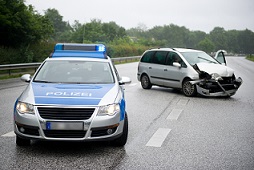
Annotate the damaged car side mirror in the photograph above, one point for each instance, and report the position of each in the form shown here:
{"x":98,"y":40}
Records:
{"x":176,"y":64}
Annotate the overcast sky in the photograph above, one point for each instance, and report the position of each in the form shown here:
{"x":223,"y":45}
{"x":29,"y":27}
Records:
{"x":202,"y":15}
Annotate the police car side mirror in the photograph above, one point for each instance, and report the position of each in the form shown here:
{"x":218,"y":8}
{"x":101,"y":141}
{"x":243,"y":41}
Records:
{"x":124,"y":80}
{"x":26,"y":78}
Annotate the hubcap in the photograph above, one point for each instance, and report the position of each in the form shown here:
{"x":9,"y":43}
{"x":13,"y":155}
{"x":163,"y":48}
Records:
{"x":188,"y":88}
{"x":145,"y":81}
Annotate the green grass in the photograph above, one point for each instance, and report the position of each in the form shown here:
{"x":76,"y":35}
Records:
{"x":10,"y":76}
{"x":125,"y":62}
{"x":15,"y":73}
{"x":250,"y":57}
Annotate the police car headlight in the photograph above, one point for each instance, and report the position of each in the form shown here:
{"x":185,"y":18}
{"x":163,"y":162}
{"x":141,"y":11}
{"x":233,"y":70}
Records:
{"x":110,"y":110}
{"x":25,"y":108}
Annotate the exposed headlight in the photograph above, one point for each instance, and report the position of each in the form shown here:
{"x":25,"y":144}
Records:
{"x":216,"y":76}
{"x":110,"y":110}
{"x":25,"y":108}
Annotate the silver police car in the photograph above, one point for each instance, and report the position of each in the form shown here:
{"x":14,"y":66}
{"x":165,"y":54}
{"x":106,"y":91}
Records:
{"x":75,"y":95}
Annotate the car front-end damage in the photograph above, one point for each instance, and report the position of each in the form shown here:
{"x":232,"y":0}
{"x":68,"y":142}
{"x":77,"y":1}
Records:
{"x":212,"y":83}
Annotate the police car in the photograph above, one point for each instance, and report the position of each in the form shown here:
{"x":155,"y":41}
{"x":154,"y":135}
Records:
{"x":75,"y":95}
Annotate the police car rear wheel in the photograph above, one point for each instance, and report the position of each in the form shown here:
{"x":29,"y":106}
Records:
{"x":22,"y":142}
{"x":121,"y":141}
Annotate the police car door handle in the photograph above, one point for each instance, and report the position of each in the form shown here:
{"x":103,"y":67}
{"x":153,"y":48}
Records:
{"x":150,"y":67}
{"x":165,"y":69}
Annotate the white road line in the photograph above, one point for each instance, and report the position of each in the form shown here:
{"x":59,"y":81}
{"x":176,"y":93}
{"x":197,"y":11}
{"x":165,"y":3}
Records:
{"x":183,"y":102}
{"x":158,"y":137}
{"x":10,"y":134}
{"x":174,"y":114}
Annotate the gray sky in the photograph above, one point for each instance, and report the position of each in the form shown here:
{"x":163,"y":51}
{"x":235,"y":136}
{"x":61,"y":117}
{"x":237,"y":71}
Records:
{"x":201,"y":15}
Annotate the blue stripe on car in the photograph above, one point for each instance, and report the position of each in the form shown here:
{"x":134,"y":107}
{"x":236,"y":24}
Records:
{"x":69,"y":94}
{"x":122,"y":109}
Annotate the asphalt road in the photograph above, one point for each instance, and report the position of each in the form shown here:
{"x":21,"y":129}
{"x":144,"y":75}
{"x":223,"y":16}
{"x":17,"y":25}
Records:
{"x":166,"y":131}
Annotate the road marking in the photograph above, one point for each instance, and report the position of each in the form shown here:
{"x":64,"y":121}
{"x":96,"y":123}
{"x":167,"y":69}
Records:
{"x":183,"y":102}
{"x":10,"y":134}
{"x":133,"y":84}
{"x":174,"y":114}
{"x":158,"y":137}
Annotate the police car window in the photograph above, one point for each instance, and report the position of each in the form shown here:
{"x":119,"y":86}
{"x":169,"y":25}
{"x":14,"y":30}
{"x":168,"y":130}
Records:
{"x":117,"y":74}
{"x":84,"y":72}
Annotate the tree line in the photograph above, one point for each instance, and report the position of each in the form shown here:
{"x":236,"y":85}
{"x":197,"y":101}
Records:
{"x":27,"y":36}
{"x":233,"y":41}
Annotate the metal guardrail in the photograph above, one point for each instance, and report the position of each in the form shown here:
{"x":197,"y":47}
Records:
{"x":19,"y":66}
{"x":125,"y":59}
{"x":10,"y":67}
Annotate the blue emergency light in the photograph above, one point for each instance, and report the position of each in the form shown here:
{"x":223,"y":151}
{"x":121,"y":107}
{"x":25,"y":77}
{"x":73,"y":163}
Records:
{"x":79,"y":50}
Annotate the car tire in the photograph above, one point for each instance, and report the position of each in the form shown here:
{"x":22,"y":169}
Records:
{"x":145,"y":82}
{"x":22,"y":142}
{"x":189,"y":89}
{"x":121,"y":141}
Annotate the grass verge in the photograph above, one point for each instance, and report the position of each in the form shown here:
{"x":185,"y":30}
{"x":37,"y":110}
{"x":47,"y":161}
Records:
{"x":250,"y":57}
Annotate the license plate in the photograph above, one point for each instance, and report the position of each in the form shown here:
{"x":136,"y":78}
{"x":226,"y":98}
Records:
{"x":64,"y":125}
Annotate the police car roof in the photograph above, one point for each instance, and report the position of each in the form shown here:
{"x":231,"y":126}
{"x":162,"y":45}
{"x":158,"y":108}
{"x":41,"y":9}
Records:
{"x":79,"y":50}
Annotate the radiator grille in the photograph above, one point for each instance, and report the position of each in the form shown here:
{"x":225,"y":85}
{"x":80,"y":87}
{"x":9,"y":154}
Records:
{"x":65,"y":113}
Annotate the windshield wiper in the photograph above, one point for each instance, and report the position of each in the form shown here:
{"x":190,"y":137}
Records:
{"x":41,"y":81}
{"x":207,"y":60}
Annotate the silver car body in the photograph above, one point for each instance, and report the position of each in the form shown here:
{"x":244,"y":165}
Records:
{"x":59,"y":105}
{"x":208,"y":75}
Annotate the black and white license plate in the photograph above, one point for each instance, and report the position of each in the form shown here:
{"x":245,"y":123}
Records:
{"x":64,"y":125}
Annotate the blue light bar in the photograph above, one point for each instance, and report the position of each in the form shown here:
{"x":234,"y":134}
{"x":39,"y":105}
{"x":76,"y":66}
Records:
{"x":81,"y":47}
{"x":83,"y":54}
{"x":100,"y":48}
{"x":58,"y":47}
{"x":80,"y":50}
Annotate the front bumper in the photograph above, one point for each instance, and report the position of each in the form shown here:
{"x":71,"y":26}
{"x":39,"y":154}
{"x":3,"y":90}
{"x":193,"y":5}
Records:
{"x":216,"y":88}
{"x":94,"y":128}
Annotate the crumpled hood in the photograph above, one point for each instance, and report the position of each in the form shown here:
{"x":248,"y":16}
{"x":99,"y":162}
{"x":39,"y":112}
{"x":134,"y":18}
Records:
{"x":220,"y":69}
{"x":72,"y":94}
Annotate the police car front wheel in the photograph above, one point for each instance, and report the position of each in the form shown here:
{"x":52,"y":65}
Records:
{"x":121,"y":141}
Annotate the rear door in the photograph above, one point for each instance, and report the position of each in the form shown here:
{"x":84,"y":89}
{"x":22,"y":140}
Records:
{"x":156,"y":68}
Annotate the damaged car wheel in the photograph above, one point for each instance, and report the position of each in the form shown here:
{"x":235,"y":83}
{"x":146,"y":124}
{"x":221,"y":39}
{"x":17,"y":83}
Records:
{"x":189,"y":89}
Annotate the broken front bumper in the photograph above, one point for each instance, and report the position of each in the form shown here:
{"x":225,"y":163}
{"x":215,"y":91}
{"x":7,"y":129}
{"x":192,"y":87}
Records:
{"x":216,"y":88}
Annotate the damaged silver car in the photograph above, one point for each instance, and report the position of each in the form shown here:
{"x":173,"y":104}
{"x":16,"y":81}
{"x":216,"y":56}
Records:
{"x":192,"y":71}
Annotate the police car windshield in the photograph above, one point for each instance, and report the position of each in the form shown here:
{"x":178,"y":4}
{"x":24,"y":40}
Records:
{"x":77,"y":72}
{"x":198,"y":57}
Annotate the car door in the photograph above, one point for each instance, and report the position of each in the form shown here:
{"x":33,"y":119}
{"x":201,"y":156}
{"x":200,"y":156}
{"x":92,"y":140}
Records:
{"x":156,"y":68}
{"x":220,"y":56}
{"x":174,"y":73}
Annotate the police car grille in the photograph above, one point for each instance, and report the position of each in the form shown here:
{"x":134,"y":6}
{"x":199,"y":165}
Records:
{"x":65,"y":113}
